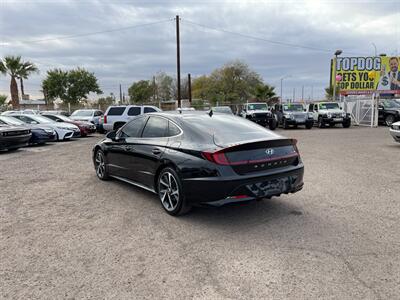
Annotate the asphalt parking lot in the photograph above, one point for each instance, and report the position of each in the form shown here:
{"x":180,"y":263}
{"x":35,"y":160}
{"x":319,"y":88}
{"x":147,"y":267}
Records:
{"x":65,"y":234}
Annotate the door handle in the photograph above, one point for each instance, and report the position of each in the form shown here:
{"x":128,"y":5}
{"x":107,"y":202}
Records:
{"x":156,"y":151}
{"x":129,"y":148}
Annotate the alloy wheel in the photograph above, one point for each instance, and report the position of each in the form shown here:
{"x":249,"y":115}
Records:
{"x":100,"y":165}
{"x":168,"y":191}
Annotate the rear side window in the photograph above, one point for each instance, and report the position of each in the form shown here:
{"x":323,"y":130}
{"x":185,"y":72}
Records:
{"x":98,"y":113}
{"x":134,"y":111}
{"x":149,"y":110}
{"x":173,"y":129}
{"x":116,"y":111}
{"x":133,"y":128}
{"x":155,"y":127}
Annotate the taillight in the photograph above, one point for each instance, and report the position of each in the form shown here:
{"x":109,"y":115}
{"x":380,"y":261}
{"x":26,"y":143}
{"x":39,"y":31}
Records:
{"x":216,"y":157}
{"x":105,"y":119}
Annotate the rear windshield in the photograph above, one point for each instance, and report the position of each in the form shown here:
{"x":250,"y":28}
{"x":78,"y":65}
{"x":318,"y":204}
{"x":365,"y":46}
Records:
{"x":228,"y":129}
{"x":83,"y":113}
{"x":116,"y":111}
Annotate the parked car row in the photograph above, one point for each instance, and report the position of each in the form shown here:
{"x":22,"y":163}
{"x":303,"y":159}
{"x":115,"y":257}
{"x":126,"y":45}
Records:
{"x":21,"y":129}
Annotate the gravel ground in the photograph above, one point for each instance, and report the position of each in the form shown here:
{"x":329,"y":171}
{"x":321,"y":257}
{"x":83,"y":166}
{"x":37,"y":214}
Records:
{"x":66,"y":235}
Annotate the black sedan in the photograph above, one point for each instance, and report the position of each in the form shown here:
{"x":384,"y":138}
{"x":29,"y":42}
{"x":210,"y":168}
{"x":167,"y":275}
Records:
{"x":40,"y":134}
{"x":13,"y":137}
{"x":193,"y":157}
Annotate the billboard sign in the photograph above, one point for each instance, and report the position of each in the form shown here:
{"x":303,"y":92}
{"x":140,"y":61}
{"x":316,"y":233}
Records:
{"x":367,"y":75}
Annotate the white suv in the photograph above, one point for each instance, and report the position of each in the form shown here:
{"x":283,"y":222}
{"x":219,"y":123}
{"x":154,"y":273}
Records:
{"x":116,"y":116}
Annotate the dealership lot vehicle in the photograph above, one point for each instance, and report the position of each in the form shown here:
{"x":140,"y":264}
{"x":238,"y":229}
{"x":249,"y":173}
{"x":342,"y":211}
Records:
{"x":64,"y":131}
{"x":40,"y":133}
{"x":195,"y":158}
{"x":259,"y":113}
{"x":395,"y":131}
{"x":116,"y":116}
{"x":13,"y":137}
{"x":85,"y":128}
{"x":293,"y":114}
{"x":55,"y":112}
{"x":222,"y":109}
{"x":20,"y":112}
{"x":329,"y":113}
{"x":88,"y":115}
{"x":388,"y":112}
{"x":336,"y":239}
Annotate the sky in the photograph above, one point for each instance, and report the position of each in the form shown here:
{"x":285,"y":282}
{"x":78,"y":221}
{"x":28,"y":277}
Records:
{"x":123,"y":41}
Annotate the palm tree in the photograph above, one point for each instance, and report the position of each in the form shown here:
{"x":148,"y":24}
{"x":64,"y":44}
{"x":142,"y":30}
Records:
{"x":17,"y":69}
{"x":265,"y":92}
{"x":27,"y":69}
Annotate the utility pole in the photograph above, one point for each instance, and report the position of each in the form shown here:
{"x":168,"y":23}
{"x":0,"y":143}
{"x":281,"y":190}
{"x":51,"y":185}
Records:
{"x":190,"y":89}
{"x":294,"y":94}
{"x":302,"y":94}
{"x":178,"y":61}
{"x":312,"y":93}
{"x":120,"y":93}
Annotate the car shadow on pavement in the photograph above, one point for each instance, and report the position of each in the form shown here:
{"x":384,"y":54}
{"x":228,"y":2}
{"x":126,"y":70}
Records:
{"x":242,"y":214}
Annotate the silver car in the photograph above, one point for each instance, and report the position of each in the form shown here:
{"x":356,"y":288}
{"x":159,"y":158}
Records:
{"x":395,"y":131}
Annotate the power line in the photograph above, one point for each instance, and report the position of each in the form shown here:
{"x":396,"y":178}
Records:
{"x":261,"y":39}
{"x":90,"y":33}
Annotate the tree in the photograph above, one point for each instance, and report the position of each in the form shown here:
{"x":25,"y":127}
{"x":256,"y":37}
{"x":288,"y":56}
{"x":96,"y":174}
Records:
{"x":3,"y":99}
{"x":265,"y":92}
{"x":329,"y":92}
{"x":27,"y":69}
{"x":12,"y":65}
{"x":141,"y":91}
{"x":165,"y":87}
{"x":234,"y":82}
{"x":70,"y":86}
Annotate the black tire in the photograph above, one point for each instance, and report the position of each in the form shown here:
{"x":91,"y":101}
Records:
{"x":309,"y":125}
{"x":272,"y":124}
{"x":285,"y":124}
{"x":389,"y":120}
{"x":332,"y":125}
{"x":346,"y":124}
{"x":100,"y":165}
{"x":170,"y":193}
{"x":321,"y":123}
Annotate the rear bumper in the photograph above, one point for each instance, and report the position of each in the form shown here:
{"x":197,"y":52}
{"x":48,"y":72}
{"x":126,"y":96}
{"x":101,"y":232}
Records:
{"x":221,"y":190}
{"x":108,"y":126}
{"x":395,"y":134}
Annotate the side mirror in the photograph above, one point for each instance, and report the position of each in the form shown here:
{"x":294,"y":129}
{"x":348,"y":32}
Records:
{"x":111,"y":135}
{"x":305,"y":109}
{"x":341,"y":107}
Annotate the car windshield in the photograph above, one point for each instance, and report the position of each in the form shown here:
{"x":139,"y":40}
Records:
{"x":41,"y":119}
{"x":257,"y":106}
{"x":293,"y":107}
{"x":10,"y":120}
{"x":83,"y":113}
{"x":64,"y":118}
{"x":328,"y":106}
{"x":391,"y":104}
{"x":222,"y":109}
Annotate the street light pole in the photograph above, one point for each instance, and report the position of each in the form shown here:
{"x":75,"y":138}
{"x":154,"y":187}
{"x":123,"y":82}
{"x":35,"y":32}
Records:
{"x":337,"y":52}
{"x":284,"y":77}
{"x":373,"y":44}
